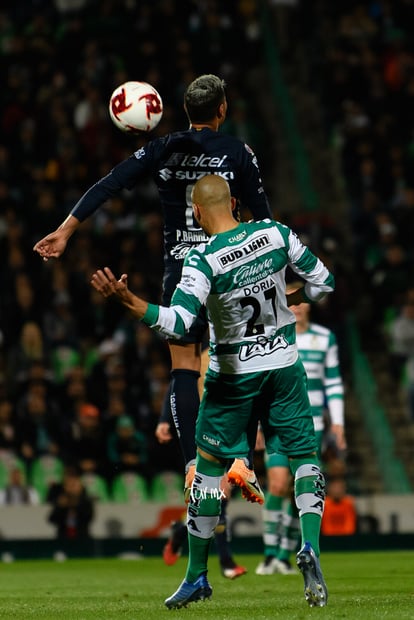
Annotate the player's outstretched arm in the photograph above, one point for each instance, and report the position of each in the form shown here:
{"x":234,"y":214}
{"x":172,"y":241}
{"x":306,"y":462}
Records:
{"x":104,"y":281}
{"x":54,"y":244}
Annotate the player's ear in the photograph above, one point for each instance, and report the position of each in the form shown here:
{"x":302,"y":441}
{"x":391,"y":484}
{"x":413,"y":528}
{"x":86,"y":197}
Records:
{"x":233,"y":203}
{"x":222,"y":110}
{"x":196,"y":211}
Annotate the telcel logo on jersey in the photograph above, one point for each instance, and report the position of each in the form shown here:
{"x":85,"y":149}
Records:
{"x":195,"y":161}
{"x":236,"y":254}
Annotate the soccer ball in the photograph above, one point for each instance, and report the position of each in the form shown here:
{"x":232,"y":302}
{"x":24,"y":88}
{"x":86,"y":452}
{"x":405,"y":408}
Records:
{"x":135,"y":107}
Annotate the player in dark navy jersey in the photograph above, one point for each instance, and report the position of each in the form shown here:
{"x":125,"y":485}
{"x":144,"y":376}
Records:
{"x":175,"y":162}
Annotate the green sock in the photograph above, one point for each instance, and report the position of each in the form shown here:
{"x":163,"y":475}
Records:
{"x":202,"y":514}
{"x":309,"y":496}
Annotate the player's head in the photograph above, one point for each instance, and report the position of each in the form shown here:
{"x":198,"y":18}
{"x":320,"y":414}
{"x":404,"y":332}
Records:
{"x":205,"y":99}
{"x":212,"y":203}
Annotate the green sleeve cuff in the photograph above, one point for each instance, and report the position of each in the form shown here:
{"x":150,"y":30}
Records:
{"x":151,"y":315}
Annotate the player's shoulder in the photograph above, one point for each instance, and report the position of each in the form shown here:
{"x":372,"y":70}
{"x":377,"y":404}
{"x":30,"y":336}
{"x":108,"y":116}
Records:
{"x":259,"y":224}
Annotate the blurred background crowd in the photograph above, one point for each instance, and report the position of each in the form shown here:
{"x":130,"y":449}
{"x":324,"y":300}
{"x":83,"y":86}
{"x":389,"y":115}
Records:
{"x":79,"y":379}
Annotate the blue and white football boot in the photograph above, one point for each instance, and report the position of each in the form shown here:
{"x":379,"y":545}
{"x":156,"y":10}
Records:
{"x":316,"y":592}
{"x":190,"y":592}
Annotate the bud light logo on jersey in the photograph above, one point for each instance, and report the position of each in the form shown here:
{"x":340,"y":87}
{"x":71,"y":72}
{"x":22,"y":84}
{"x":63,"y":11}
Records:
{"x":245,"y":250}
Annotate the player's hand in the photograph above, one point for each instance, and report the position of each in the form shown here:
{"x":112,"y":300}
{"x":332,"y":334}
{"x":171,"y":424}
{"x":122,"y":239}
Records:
{"x":163,"y":433}
{"x":105,"y":283}
{"x":338,"y":432}
{"x":51,"y":246}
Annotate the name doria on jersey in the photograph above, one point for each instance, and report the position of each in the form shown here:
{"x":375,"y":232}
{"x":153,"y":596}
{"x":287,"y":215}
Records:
{"x":246,"y":250}
{"x":195,"y":161}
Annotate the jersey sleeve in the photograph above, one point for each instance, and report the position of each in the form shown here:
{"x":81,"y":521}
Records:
{"x":123,"y":176}
{"x":334,"y":389}
{"x":319,"y":280}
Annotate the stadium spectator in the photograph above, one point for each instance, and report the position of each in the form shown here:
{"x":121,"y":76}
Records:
{"x":39,"y":427}
{"x":30,"y":348}
{"x":17,"y":491}
{"x":84,"y":446}
{"x":8,"y":440}
{"x":401,"y":349}
{"x":127,"y":450}
{"x":340,"y":515}
{"x":72,"y":509}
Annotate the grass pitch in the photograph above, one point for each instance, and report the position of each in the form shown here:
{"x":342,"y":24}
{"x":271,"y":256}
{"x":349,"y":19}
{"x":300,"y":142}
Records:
{"x":371,"y":585}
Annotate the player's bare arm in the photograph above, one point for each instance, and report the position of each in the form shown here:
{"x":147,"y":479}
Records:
{"x":54,"y":244}
{"x":106,"y":283}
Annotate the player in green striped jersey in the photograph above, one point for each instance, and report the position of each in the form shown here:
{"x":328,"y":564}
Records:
{"x":319,"y":353}
{"x":254,"y":371}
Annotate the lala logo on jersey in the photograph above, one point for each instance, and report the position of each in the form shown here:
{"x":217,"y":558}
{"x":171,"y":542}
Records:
{"x":263,"y":346}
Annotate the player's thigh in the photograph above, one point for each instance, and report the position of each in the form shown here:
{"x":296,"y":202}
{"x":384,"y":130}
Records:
{"x":289,"y":429}
{"x":225,"y":414}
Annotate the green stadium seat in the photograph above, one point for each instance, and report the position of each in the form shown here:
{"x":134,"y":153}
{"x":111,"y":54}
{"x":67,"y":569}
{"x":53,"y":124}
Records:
{"x":96,"y":487}
{"x":45,"y":471}
{"x":167,"y":487}
{"x":129,"y":487}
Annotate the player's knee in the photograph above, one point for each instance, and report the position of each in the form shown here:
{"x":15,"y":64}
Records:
{"x":279,"y":482}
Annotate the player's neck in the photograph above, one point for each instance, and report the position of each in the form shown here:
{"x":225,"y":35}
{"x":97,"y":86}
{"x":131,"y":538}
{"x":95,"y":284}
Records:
{"x":223,"y":226}
{"x":213,"y":125}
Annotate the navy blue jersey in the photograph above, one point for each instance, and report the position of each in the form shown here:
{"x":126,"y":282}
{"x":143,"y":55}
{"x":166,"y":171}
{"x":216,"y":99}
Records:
{"x":176,"y":162}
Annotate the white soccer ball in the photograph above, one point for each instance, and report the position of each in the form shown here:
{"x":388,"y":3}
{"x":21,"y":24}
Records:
{"x":135,"y":107}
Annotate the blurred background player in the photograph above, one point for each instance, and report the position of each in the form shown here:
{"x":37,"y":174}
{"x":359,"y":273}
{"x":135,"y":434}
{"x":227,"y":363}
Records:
{"x":319,"y":353}
{"x":175,"y":162}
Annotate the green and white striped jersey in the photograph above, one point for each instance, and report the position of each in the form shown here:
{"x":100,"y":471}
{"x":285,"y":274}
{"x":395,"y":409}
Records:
{"x":318,"y":351}
{"x":240,"y":276}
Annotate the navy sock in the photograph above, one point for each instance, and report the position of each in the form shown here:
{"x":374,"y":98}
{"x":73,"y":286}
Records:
{"x":185,"y":400}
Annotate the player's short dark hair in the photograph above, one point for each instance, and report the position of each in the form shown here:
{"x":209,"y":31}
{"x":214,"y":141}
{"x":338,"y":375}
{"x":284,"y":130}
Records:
{"x":203,"y":98}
